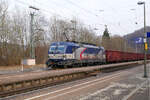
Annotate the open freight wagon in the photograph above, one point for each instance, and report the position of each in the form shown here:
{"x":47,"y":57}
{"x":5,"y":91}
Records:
{"x":119,"y":56}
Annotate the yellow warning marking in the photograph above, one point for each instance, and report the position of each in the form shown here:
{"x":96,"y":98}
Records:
{"x":146,"y":47}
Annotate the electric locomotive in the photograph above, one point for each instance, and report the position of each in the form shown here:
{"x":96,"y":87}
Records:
{"x":71,"y":54}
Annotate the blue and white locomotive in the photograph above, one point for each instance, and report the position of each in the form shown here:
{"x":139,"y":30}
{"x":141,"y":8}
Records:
{"x":69,"y":54}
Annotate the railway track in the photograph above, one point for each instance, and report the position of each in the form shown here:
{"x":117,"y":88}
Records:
{"x":18,"y":84}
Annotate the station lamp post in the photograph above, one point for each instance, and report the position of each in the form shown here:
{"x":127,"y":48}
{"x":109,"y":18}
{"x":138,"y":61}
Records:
{"x":145,"y":38}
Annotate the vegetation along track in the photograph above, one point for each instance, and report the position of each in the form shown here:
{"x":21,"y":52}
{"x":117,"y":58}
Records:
{"x":20,"y":86}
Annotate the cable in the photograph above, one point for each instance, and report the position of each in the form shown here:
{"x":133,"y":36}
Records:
{"x":117,"y":18}
{"x":112,"y":26}
{"x":47,"y":11}
{"x":39,"y":3}
{"x":57,"y":4}
{"x":74,"y":4}
{"x":60,"y":15}
{"x":63,"y":7}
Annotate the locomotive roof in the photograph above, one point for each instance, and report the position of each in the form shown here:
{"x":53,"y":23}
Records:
{"x":65,"y":43}
{"x":87,"y":45}
{"x":84,"y":43}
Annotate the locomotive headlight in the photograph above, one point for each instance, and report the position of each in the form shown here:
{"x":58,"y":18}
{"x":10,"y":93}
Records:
{"x":104,"y":56}
{"x":49,"y":56}
{"x":64,"y":57}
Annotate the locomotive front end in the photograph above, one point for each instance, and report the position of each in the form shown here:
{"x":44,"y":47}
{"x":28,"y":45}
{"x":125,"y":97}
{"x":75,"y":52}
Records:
{"x":55,"y":54}
{"x":60,"y":54}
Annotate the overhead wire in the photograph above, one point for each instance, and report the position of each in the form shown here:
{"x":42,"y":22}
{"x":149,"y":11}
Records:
{"x":25,"y":3}
{"x":48,"y":11}
{"x":74,"y":4}
{"x":135,"y":18}
{"x":56,"y":5}
{"x":63,"y":7}
{"x":36,"y":3}
{"x":84,"y":9}
{"x":81,"y":8}
{"x":122,"y":27}
{"x":106,"y":23}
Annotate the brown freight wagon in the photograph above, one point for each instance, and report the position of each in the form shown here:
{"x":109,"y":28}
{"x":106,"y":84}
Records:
{"x":119,"y":56}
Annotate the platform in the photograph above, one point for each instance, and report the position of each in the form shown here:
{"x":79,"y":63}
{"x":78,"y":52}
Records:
{"x":125,"y":84}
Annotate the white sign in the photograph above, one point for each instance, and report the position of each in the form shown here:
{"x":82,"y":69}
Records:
{"x":144,"y":40}
{"x":28,"y":62}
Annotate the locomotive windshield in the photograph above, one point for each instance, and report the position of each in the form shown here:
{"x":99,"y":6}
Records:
{"x":61,"y":49}
{"x":57,"y":49}
{"x":52,"y":48}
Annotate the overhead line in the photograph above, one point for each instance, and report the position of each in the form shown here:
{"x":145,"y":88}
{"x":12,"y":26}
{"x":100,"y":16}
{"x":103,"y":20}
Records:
{"x":88,"y":11}
{"x":48,"y":11}
{"x":117,"y":17}
{"x":47,"y":5}
{"x":83,"y":9}
{"x":67,"y":9}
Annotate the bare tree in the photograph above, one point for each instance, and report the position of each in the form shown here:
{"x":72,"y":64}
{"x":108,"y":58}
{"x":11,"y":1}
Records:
{"x":117,"y":42}
{"x":73,"y":29}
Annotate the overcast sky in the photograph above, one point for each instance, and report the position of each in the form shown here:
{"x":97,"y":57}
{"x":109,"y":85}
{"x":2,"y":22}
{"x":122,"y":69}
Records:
{"x":120,"y":15}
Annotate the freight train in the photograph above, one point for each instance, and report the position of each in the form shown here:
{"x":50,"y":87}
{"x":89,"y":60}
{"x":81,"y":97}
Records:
{"x":71,"y":54}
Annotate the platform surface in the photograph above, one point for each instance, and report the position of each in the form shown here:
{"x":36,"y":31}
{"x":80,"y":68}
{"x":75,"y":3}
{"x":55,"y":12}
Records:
{"x":127,"y":84}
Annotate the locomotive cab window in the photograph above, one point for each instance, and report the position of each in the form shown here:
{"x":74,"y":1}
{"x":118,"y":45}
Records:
{"x":57,"y":49}
{"x":61,"y":49}
{"x":52,"y":49}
